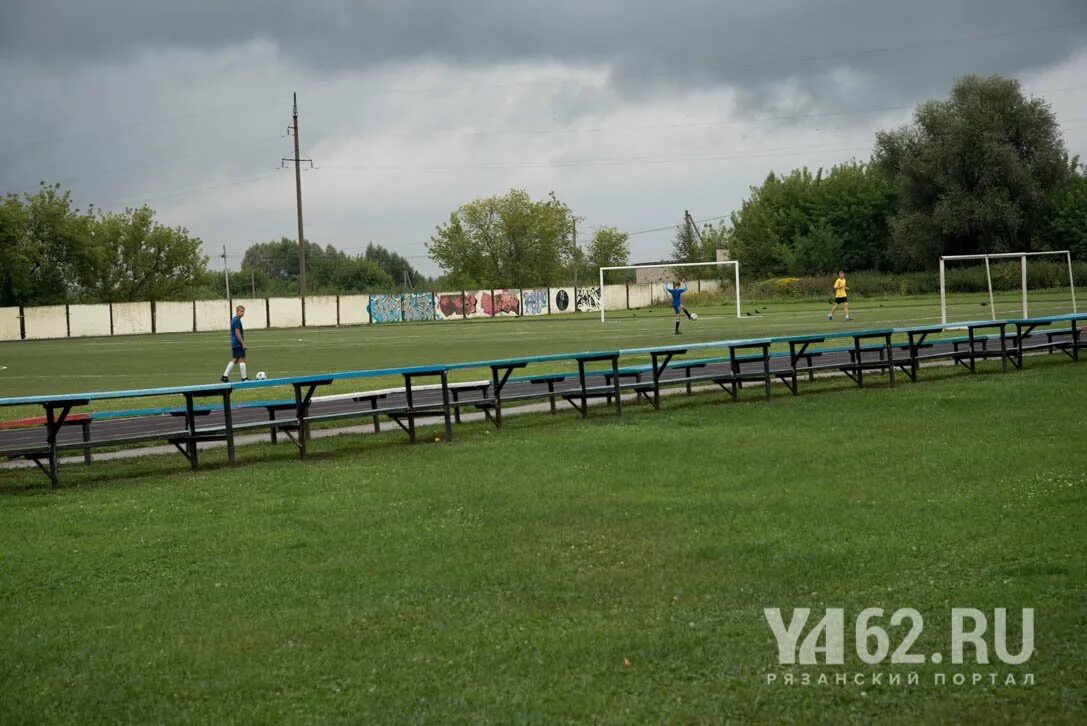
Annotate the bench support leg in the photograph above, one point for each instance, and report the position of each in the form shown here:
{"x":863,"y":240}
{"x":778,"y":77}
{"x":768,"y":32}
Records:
{"x":228,"y":422}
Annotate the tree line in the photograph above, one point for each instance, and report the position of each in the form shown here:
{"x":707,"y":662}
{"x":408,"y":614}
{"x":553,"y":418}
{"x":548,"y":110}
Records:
{"x":52,"y":253}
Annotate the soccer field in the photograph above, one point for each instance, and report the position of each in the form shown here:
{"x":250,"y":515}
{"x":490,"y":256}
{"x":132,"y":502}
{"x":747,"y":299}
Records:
{"x":95,"y":364}
{"x":567,"y":570}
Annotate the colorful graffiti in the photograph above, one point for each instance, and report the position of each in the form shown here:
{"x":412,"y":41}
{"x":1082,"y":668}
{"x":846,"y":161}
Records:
{"x":588,"y":298}
{"x":417,"y":306}
{"x":504,"y":302}
{"x":534,"y":302}
{"x":451,"y":305}
{"x":477,"y":304}
{"x":385,"y":309}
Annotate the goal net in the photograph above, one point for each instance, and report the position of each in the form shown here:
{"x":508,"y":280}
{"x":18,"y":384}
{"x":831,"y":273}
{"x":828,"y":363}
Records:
{"x":655,"y":274}
{"x":1008,"y":300}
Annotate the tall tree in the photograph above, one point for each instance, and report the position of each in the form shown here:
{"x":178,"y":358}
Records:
{"x":1064,"y":225}
{"x":45,"y":247}
{"x":804,"y":223}
{"x":135,"y":258}
{"x":507,"y":241}
{"x":972,"y":173}
{"x":608,"y":248}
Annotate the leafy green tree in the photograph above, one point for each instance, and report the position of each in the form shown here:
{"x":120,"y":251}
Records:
{"x":972,"y":174}
{"x":45,"y":246}
{"x":328,"y":270}
{"x":507,"y":241}
{"x":805,"y":224}
{"x":1064,"y":217}
{"x":135,"y":258}
{"x":608,"y":248}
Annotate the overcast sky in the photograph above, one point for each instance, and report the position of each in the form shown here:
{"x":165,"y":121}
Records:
{"x":629,"y":111}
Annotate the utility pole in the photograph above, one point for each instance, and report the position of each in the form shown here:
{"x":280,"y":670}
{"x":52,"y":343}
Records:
{"x":577,"y":262}
{"x":292,"y":130}
{"x":226,"y":276}
{"x":253,"y":283}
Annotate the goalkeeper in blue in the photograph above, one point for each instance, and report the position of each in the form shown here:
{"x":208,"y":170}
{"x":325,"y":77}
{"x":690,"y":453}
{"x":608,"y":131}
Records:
{"x":677,"y":305}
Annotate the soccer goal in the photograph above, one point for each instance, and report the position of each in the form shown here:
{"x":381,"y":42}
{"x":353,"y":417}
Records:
{"x":1023,"y":292}
{"x":658,"y":273}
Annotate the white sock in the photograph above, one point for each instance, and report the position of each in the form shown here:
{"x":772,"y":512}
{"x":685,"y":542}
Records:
{"x":242,"y":366}
{"x":229,"y":368}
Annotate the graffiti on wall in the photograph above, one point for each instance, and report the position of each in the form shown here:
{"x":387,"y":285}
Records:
{"x":451,"y":305}
{"x":385,"y":309}
{"x":418,"y":306}
{"x":534,"y":302}
{"x":477,"y":304}
{"x":588,"y":298}
{"x":504,"y":302}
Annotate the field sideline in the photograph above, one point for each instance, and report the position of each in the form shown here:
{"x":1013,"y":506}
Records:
{"x":603,"y":570}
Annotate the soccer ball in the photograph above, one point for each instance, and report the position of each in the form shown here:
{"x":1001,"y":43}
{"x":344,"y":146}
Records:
{"x":261,"y":376}
{"x":694,"y":316}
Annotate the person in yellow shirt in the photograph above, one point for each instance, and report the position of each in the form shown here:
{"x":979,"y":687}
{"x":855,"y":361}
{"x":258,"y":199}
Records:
{"x":841,"y":297}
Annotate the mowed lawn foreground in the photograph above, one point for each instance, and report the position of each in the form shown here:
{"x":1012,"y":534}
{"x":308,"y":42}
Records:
{"x":606,"y":571}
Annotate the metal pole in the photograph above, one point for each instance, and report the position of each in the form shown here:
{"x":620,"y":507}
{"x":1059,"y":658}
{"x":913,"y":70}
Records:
{"x":943,"y":295}
{"x":226,"y":277}
{"x":576,"y":261}
{"x":601,"y":294}
{"x":1023,"y":276}
{"x":736,"y":267}
{"x":989,"y":279}
{"x":1072,"y":283}
{"x":298,"y":196}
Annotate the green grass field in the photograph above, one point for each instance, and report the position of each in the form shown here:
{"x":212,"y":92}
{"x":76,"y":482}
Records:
{"x":563,"y":570}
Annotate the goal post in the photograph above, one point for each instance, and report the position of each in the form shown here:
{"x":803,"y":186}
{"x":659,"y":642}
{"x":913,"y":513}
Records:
{"x":669,"y":265}
{"x":1022,"y":257}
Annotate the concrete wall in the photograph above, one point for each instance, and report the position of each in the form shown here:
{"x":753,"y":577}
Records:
{"x":562,"y":300}
{"x":640,"y":296}
{"x":50,"y":321}
{"x":385,"y":309}
{"x":321,"y":310}
{"x":88,"y":320}
{"x":354,"y":310}
{"x":9,"y":324}
{"x":506,"y":303}
{"x":213,"y":315}
{"x":256,"y":312}
{"x":131,"y":318}
{"x":284,"y":312}
{"x":615,"y":297}
{"x":588,"y":298}
{"x":173,"y":317}
{"x":477,"y":303}
{"x":329,"y":310}
{"x":417,"y":306}
{"x":534,"y":301}
{"x":449,"y":305}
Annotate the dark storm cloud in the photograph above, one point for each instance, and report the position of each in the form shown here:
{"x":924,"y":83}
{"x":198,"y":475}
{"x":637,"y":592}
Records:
{"x":650,"y":47}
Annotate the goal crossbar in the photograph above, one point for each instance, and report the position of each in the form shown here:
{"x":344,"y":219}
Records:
{"x":1022,"y":257}
{"x":662,"y":266}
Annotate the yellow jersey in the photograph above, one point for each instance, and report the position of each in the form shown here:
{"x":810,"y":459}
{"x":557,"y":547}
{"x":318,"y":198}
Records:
{"x":839,"y":287}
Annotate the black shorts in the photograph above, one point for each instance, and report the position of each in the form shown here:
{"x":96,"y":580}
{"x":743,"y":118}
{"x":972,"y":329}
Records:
{"x":840,"y":300}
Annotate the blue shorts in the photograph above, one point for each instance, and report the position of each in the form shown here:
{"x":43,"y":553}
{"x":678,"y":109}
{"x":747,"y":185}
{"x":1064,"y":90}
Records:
{"x":676,"y":307}
{"x":237,"y":352}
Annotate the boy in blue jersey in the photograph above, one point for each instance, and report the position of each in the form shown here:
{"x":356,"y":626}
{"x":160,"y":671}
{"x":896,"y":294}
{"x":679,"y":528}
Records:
{"x":677,"y":293}
{"x":237,"y":345}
